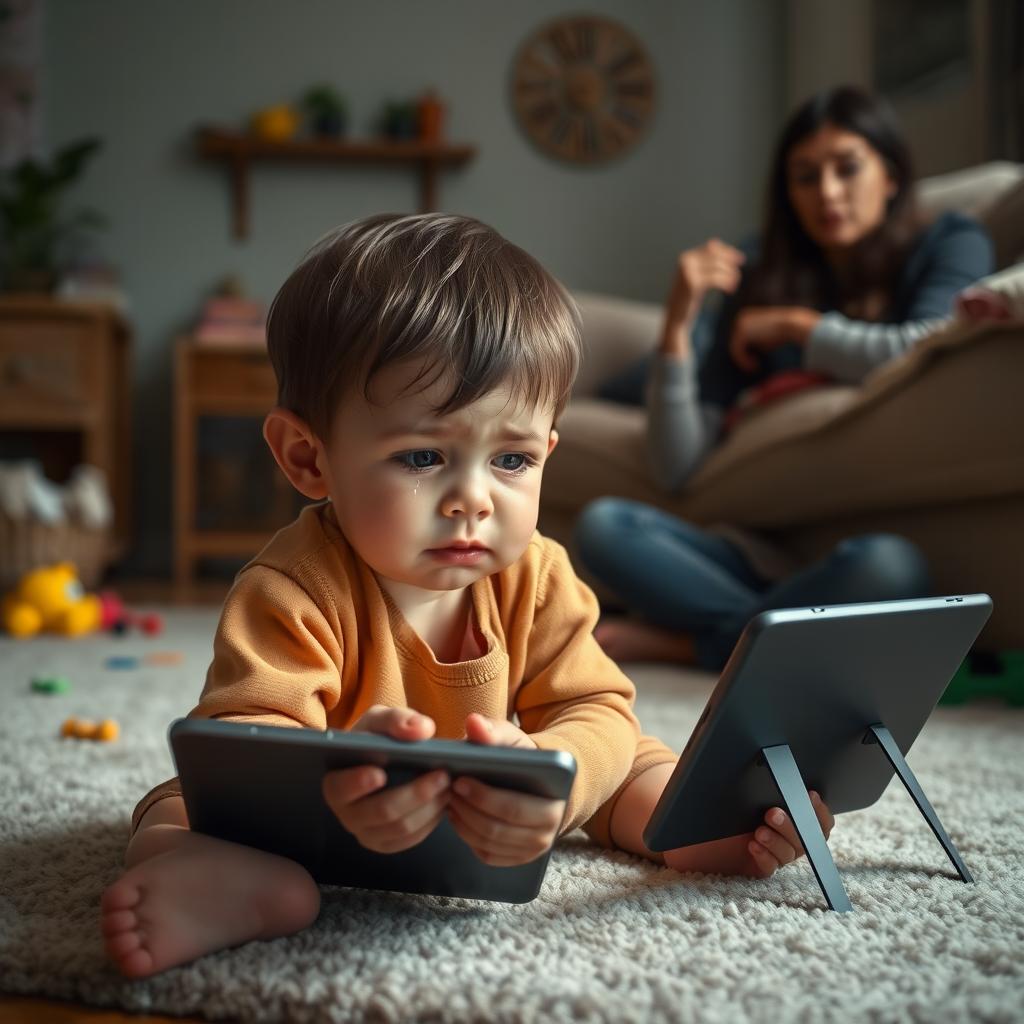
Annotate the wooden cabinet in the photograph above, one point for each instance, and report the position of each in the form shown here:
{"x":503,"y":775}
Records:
{"x":64,"y":391}
{"x":223,"y":383}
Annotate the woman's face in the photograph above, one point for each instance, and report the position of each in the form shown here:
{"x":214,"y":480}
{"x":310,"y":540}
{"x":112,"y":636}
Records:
{"x":839,"y":187}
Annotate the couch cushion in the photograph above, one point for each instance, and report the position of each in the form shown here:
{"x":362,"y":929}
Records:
{"x":616,"y":332}
{"x":906,"y":437}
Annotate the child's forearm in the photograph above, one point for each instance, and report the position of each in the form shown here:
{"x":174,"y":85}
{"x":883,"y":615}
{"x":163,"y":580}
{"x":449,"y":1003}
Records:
{"x":634,"y":807}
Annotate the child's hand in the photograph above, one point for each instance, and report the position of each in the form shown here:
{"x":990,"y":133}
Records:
{"x":502,"y":827}
{"x":397,"y":818}
{"x":759,"y":854}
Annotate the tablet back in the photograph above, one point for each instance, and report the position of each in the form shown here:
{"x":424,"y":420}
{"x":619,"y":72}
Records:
{"x":815,"y":679}
{"x":260,"y":785}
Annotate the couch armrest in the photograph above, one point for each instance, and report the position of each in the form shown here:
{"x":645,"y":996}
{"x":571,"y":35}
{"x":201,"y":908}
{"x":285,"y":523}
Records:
{"x":941,"y":427}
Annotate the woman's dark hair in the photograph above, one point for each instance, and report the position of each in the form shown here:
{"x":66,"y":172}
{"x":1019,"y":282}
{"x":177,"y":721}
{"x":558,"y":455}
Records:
{"x":791,"y":269}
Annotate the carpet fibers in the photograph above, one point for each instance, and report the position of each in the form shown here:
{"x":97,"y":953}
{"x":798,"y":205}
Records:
{"x":610,"y":938}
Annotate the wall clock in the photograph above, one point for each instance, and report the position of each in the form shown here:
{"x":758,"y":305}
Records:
{"x":583,"y":89}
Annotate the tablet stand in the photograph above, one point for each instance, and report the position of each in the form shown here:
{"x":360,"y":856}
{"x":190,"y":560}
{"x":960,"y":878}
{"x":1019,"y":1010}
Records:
{"x":780,"y":762}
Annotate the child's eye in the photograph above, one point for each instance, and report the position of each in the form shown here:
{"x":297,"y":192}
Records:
{"x":418,"y":461}
{"x":513,"y":462}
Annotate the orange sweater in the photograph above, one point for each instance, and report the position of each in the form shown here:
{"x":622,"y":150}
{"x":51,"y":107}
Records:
{"x":308,"y":638}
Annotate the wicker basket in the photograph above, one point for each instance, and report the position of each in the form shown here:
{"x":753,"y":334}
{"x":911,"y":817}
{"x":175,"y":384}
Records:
{"x":27,"y":544}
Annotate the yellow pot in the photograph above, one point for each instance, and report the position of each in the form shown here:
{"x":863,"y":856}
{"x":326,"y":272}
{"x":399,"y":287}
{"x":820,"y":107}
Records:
{"x":276,"y":124}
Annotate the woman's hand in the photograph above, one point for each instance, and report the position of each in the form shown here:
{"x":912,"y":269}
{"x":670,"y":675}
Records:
{"x":397,"y":818}
{"x":760,"y":328}
{"x":713,"y":265}
{"x":502,"y":827}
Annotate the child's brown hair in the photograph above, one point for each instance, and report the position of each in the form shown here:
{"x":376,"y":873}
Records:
{"x":447,"y":289}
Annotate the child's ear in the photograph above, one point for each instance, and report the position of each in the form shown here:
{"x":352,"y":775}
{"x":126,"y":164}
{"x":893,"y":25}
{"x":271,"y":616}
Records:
{"x":297,"y":450}
{"x":552,"y":440}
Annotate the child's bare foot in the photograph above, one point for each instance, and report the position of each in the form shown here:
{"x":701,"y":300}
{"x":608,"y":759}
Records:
{"x":199,"y":896}
{"x":631,"y":640}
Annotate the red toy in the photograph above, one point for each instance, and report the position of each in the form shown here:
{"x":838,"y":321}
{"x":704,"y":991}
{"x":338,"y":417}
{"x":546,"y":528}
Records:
{"x":114,"y":616}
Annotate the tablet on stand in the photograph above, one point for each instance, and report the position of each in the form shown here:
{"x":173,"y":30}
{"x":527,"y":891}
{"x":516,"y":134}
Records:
{"x":828,"y":698}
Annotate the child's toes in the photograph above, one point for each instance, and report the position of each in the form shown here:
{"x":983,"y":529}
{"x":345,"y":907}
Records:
{"x":121,"y":895}
{"x":118,"y":921}
{"x":119,"y":946}
{"x":137,"y":964}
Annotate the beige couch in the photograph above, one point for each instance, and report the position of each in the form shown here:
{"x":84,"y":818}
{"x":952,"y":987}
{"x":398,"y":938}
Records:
{"x":930,"y":447}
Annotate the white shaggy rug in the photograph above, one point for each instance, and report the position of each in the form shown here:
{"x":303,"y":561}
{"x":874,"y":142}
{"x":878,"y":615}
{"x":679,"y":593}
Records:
{"x":610,"y":938}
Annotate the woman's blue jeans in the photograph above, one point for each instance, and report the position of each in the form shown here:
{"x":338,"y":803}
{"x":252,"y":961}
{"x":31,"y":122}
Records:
{"x":682,"y":578}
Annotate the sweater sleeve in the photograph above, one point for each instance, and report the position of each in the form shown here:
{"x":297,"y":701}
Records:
{"x":573,"y":696}
{"x":849,"y":350}
{"x":276,"y":658}
{"x":681,"y":430}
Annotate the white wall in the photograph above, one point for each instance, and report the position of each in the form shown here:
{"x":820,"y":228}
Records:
{"x":143,"y":75}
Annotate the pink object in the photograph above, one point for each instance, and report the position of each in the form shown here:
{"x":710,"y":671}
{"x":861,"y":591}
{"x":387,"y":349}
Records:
{"x":977,"y":303}
{"x":111,"y":609}
{"x":151,"y":624}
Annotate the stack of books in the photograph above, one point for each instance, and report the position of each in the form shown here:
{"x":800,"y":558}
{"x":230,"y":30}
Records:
{"x":227,"y":320}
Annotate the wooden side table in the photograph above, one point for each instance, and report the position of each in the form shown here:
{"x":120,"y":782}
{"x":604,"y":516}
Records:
{"x":218,"y":380}
{"x":64,"y":387}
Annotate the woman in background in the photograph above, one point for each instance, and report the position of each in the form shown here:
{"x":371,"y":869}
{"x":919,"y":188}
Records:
{"x":848,"y":277}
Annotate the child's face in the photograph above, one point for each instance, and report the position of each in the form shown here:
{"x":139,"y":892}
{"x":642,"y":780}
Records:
{"x":411,"y":491}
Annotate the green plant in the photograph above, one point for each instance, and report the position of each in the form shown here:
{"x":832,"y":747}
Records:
{"x":324,"y":101}
{"x":32,"y":230}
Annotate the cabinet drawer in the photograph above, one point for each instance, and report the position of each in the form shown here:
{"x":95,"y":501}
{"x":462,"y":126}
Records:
{"x":48,"y":368}
{"x":232,"y":376}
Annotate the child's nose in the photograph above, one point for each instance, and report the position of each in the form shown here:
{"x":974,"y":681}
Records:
{"x":469,"y":498}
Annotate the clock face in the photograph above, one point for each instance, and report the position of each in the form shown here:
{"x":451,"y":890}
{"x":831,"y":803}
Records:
{"x":583,"y":89}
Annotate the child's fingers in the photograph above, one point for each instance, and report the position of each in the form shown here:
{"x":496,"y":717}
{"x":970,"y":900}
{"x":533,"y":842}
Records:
{"x":496,"y":732}
{"x":492,"y":851}
{"x":779,"y":821}
{"x":399,"y":723}
{"x":499,"y":835}
{"x":381,"y":810}
{"x":407,"y":831}
{"x":778,"y":845}
{"x":510,"y":807}
{"x":345,"y":786}
{"x":826,"y":818}
{"x":764,"y":863}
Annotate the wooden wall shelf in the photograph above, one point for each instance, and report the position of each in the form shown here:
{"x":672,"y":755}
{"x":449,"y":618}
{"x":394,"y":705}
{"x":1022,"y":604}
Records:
{"x":238,"y":151}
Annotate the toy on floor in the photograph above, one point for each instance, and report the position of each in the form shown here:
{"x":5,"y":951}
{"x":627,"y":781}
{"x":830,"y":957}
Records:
{"x":987,"y":674}
{"x":82,"y":729}
{"x":165,"y":658}
{"x":51,"y":600}
{"x":119,"y":619}
{"x":50,"y":684}
{"x":119,"y":662}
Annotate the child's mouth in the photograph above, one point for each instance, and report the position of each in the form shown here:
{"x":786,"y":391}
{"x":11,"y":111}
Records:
{"x":458,"y":556}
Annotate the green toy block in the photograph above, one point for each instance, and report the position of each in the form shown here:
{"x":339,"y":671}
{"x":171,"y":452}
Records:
{"x":50,"y":684}
{"x":988,"y":674}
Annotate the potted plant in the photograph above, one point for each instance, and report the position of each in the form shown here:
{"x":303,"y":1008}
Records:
{"x":327,"y":111}
{"x":33,"y":234}
{"x":400,"y":120}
